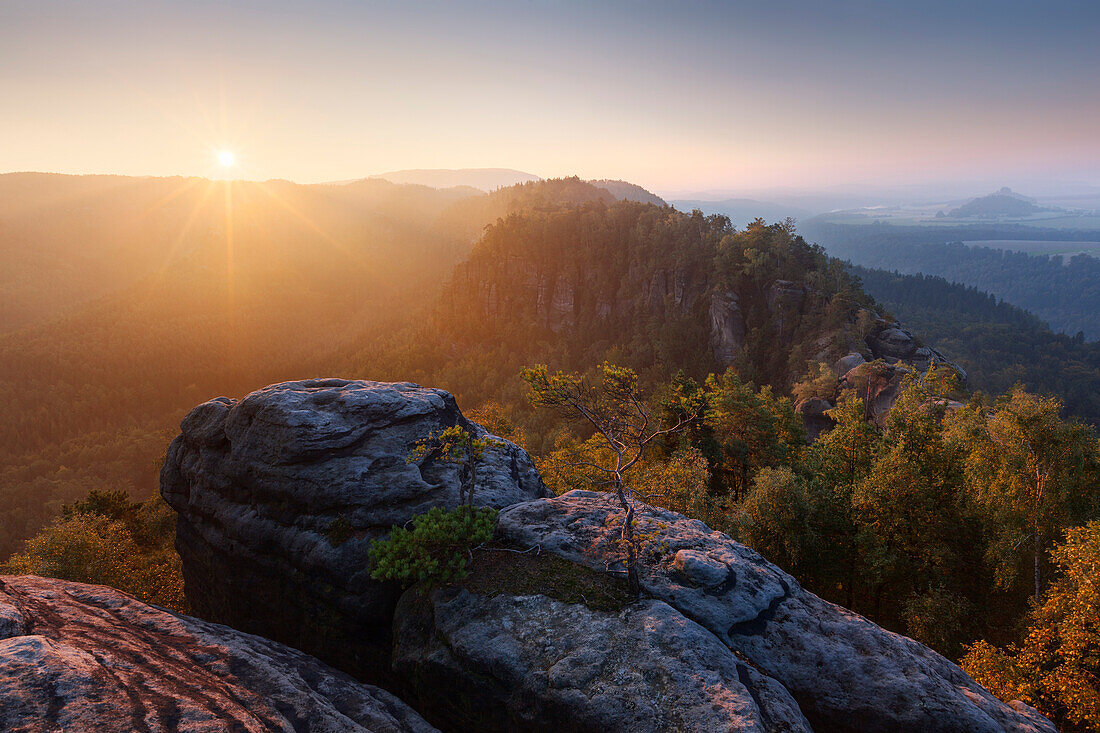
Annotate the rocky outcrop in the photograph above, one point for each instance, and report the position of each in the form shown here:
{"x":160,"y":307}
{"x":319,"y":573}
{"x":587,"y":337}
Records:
{"x":77,"y":657}
{"x":813,"y":413}
{"x":785,"y":296}
{"x":279,"y":496}
{"x":533,"y":663}
{"x":847,"y":363}
{"x":898,"y":346}
{"x":727,"y":326}
{"x":893,"y":352}
{"x":785,"y":300}
{"x":846,"y":673}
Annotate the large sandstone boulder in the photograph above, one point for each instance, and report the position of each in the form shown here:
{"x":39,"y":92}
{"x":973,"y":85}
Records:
{"x":533,"y":663}
{"x":878,"y":385}
{"x":279,"y":496}
{"x":846,"y":673}
{"x":83,"y":658}
{"x":813,"y":412}
{"x":897,"y":345}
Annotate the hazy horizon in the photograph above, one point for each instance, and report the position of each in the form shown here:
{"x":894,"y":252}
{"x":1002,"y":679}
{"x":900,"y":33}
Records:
{"x":700,"y":97}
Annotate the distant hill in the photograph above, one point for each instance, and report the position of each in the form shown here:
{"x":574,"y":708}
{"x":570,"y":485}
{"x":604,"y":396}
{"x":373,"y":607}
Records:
{"x":743,"y":211}
{"x":1005,"y":203}
{"x":485,"y":179}
{"x":626,"y":191}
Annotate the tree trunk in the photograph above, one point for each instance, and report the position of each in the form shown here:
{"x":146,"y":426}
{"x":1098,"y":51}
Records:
{"x":1038,"y":557}
{"x":633,"y":585}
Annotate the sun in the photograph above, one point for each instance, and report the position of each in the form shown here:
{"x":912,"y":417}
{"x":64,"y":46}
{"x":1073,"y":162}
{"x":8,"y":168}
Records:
{"x":226,"y":158}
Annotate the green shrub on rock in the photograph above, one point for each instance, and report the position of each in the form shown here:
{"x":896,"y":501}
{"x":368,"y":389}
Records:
{"x":437,"y":547}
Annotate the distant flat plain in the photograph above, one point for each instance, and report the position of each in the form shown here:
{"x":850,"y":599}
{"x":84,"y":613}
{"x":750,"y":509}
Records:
{"x":1039,"y":247}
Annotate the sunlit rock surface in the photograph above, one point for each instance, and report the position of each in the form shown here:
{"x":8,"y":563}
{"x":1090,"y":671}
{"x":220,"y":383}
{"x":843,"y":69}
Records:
{"x":279,"y":496}
{"x":83,"y":658}
{"x":846,"y":673}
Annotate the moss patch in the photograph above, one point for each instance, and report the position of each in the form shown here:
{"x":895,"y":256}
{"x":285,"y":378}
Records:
{"x":339,"y":531}
{"x":495,"y":571}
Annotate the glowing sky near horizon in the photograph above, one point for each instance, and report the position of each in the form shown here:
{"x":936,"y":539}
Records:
{"x":675,"y":96}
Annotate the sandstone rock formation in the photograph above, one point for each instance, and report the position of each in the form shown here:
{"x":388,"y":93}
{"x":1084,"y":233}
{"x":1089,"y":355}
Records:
{"x":896,"y":345}
{"x":536,"y":664}
{"x":813,"y":413}
{"x":720,"y":640}
{"x":83,"y":658}
{"x":878,"y":385}
{"x":280,"y":495}
{"x":874,"y":371}
{"x":846,"y":673}
{"x":847,"y":363}
{"x":727,"y":326}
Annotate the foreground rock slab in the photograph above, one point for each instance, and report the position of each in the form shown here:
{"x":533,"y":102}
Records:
{"x":846,"y":673}
{"x":77,"y":658}
{"x":279,"y":496}
{"x":536,"y":664}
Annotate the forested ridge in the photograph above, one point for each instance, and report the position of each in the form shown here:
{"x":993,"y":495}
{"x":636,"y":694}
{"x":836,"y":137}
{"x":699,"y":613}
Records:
{"x":1064,"y":292}
{"x":637,"y":284}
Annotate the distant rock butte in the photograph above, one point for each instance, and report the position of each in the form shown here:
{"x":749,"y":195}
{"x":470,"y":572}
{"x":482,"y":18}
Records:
{"x":83,"y":658}
{"x":1005,"y":203}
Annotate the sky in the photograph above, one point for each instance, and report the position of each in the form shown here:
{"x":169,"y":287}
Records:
{"x":676,"y":96}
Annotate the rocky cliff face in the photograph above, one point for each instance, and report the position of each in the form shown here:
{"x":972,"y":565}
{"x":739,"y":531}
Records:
{"x":77,"y":657}
{"x":550,"y":298}
{"x":279,"y":496}
{"x":720,"y":640}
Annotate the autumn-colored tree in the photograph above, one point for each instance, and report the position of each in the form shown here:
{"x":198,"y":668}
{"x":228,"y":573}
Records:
{"x":498,"y":420}
{"x":751,"y":428}
{"x":777,"y":519}
{"x":914,"y":533}
{"x":835,"y":464}
{"x":456,"y":445}
{"x":615,"y":409}
{"x":1032,"y":473}
{"x":820,"y":383}
{"x":106,"y":539}
{"x":677,"y":481}
{"x":843,"y":456}
{"x":1057,"y":667}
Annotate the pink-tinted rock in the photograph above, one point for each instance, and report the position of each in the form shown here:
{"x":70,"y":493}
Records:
{"x":83,"y":658}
